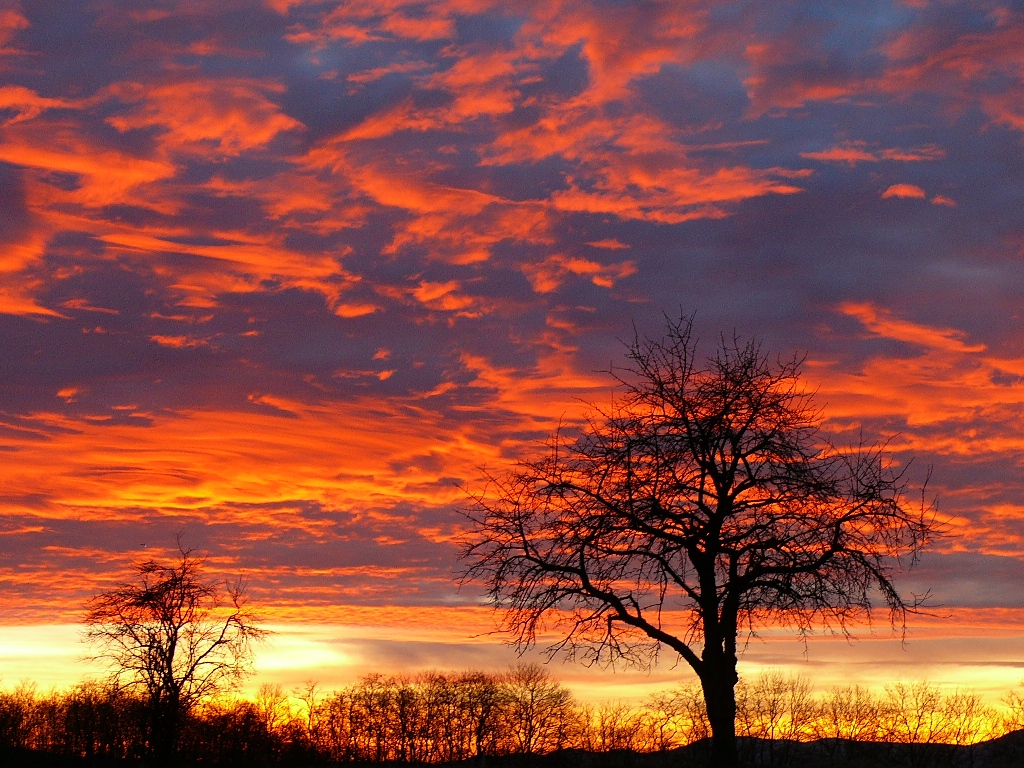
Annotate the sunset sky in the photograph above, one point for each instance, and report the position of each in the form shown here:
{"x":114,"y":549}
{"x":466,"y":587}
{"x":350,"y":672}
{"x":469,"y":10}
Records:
{"x":285,"y":277}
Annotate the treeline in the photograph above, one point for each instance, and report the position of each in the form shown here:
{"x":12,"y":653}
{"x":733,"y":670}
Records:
{"x":447,"y":717}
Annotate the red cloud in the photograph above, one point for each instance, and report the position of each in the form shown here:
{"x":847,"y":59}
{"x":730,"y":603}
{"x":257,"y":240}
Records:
{"x":853,"y":152}
{"x":904,"y":190}
{"x":226,"y":116}
{"x":549,"y":274}
{"x":106,"y":176}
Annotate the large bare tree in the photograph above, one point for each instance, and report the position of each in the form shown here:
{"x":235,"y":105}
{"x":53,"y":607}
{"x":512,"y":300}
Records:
{"x":175,"y":638}
{"x":705,"y":502}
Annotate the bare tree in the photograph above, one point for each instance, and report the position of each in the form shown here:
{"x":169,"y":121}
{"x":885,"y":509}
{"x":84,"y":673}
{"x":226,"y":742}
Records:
{"x":852,"y":713}
{"x":707,"y":492}
{"x":680,"y":717}
{"x":539,"y":712}
{"x":1013,"y":714}
{"x":174,"y":638}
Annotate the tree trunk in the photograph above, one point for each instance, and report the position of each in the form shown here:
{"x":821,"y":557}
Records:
{"x":164,"y":727}
{"x":719,"y":685}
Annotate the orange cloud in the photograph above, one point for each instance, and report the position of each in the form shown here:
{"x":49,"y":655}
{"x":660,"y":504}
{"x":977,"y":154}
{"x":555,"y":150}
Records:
{"x":671,"y":195}
{"x":633,"y":168}
{"x":454,"y":224}
{"x":480,"y":83}
{"x":238,"y":263}
{"x":27,"y":104}
{"x":853,"y":152}
{"x":370,"y":75}
{"x":240,"y":458}
{"x":549,"y":274}
{"x":299,"y":199}
{"x":927,"y":58}
{"x":979,"y":67}
{"x":610,"y":243}
{"x":346,"y":309}
{"x":257,"y":469}
{"x":619,"y":43}
{"x":787,"y":73}
{"x":227,"y":116}
{"x":945,"y":398}
{"x":443,"y":296}
{"x":975,"y":396}
{"x":904,"y":190}
{"x":178,"y":342}
{"x":363,"y":21}
{"x":106,"y":176}
{"x":11,"y":22}
{"x":966,"y":69}
{"x":1006,"y":108}
{"x":885,"y":324}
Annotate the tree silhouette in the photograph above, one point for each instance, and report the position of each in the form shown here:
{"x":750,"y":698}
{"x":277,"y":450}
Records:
{"x":173,"y":638}
{"x":703,"y":503}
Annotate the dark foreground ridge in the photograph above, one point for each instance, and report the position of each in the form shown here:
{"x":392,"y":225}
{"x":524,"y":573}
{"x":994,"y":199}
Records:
{"x":1004,"y":752}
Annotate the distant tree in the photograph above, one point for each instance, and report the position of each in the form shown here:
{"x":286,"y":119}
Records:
{"x":174,"y":638}
{"x":850,"y":712}
{"x":539,"y":712}
{"x":775,"y":710}
{"x":678,"y":717}
{"x":482,"y":703}
{"x":706,"y":491}
{"x":1013,"y":717}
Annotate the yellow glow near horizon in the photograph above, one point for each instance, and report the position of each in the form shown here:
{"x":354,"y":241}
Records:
{"x":333,"y":656}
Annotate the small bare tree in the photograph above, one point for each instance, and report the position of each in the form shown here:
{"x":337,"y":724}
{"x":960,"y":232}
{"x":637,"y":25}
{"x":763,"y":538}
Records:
{"x":706,"y":492}
{"x":174,"y":638}
{"x":539,"y":712}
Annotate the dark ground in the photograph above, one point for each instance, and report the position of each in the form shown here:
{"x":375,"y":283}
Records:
{"x":1005,"y":752}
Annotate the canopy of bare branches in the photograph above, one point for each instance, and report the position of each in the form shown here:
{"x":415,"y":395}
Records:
{"x":708,"y":490}
{"x":173,"y":638}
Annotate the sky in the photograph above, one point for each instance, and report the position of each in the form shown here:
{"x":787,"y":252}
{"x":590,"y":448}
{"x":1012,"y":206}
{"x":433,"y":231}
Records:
{"x":287,"y":277}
